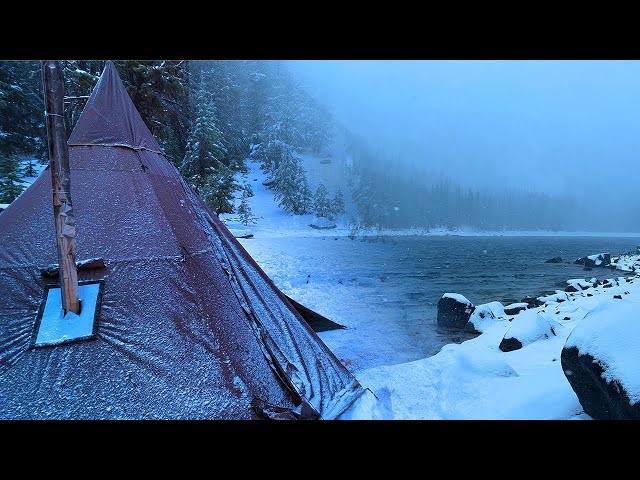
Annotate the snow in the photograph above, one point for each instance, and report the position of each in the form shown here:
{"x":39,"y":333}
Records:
{"x":458,"y":298}
{"x":516,"y":305}
{"x":323,"y":222}
{"x":485,"y":315}
{"x":56,"y":327}
{"x":580,"y":283}
{"x":530,"y":326}
{"x":597,"y":258}
{"x":611,"y":334}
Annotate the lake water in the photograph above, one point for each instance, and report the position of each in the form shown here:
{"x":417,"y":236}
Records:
{"x":386,"y":291}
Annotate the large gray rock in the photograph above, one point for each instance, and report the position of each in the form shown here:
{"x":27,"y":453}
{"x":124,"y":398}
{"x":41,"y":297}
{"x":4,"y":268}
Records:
{"x":600,"y":362}
{"x":454,"y":310}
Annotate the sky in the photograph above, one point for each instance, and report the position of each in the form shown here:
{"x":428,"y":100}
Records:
{"x":553,"y":126}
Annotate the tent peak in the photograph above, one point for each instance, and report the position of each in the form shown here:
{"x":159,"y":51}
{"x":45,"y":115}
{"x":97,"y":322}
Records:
{"x":111,"y":119}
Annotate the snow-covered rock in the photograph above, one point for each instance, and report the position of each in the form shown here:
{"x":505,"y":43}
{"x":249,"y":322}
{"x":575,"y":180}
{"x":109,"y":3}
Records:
{"x":322,"y":223}
{"x":515,"y":308}
{"x":600,"y":360}
{"x":526,"y":328}
{"x":484,"y":316}
{"x":558,"y":297}
{"x":532,"y":301}
{"x":577,"y":285}
{"x":597,"y":260}
{"x":454,"y":310}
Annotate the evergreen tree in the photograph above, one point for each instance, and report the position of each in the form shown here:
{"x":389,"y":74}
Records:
{"x":22,"y":128}
{"x":80,"y":76}
{"x":337,"y":206}
{"x":10,"y":185}
{"x":321,"y":202}
{"x":291,"y":187}
{"x":29,"y":169}
{"x":205,"y":151}
{"x":219,"y":188}
{"x":244,"y":210}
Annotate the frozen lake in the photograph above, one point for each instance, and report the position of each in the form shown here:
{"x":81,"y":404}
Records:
{"x":386,"y":291}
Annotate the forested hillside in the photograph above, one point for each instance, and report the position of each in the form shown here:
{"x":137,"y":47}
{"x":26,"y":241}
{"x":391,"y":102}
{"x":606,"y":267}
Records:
{"x":211,"y":115}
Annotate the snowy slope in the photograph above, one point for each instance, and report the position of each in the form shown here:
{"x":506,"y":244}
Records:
{"x":273,"y":221}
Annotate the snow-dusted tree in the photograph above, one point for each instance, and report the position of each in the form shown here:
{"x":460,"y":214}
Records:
{"x":337,"y":206}
{"x":321,"y":202}
{"x":205,"y":150}
{"x":22,"y":129}
{"x":291,"y":188}
{"x":29,"y":168}
{"x":244,"y":210}
{"x":10,"y":185}
{"x":218,"y":189}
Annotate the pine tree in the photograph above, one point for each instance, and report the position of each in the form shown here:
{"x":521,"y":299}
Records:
{"x":337,"y":206}
{"x":10,"y":185}
{"x":321,"y":202}
{"x":29,"y":169}
{"x":22,"y":129}
{"x":291,"y":187}
{"x":244,"y":210}
{"x":219,"y":188}
{"x":205,"y":150}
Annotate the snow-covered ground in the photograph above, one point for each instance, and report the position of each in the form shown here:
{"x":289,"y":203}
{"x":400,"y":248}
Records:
{"x":476,"y":380}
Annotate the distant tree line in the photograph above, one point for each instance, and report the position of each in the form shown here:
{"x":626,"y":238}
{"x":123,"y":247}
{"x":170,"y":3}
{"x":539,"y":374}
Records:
{"x":390,"y":195}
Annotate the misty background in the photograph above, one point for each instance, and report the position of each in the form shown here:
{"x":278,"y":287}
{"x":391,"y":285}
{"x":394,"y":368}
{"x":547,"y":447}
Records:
{"x":546,"y":123}
{"x":481,"y":145}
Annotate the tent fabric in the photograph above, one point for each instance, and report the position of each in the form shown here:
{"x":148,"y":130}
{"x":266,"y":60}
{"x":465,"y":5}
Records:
{"x":189,"y":327}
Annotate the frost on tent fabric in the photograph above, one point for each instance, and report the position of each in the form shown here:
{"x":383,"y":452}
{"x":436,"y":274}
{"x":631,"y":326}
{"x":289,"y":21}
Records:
{"x":189,"y":327}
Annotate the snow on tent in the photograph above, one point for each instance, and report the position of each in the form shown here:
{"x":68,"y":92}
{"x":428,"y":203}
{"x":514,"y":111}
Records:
{"x":188,"y":325}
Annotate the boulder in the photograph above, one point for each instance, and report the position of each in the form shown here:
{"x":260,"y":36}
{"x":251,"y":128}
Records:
{"x":322,"y":223}
{"x":483,"y":316}
{"x":599,"y":360}
{"x":515,"y":308}
{"x":532,"y":301}
{"x":577,"y":285}
{"x":554,"y":260}
{"x":454,"y":310}
{"x":597,"y":260}
{"x":527,"y":328}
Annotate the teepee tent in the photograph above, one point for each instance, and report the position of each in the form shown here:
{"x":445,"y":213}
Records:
{"x":187,"y":325}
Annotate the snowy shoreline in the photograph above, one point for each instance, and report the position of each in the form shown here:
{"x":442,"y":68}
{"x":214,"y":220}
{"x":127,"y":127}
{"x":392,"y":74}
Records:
{"x":475,"y":379}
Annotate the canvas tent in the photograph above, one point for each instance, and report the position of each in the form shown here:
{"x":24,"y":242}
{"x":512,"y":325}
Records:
{"x":189,"y":326}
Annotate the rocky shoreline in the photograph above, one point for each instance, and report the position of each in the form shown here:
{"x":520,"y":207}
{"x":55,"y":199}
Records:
{"x":605,"y":386}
